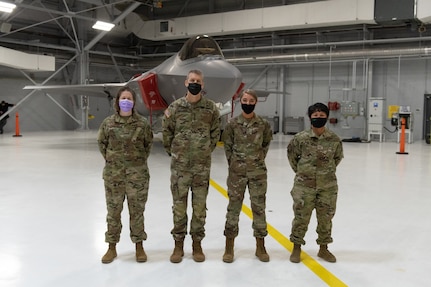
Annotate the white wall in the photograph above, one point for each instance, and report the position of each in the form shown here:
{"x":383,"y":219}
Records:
{"x":295,"y":16}
{"x":36,"y":113}
{"x":401,"y":83}
{"x":39,"y":113}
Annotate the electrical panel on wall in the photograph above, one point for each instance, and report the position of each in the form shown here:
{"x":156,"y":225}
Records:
{"x":350,"y":109}
{"x":375,"y":111}
{"x":376,"y":117}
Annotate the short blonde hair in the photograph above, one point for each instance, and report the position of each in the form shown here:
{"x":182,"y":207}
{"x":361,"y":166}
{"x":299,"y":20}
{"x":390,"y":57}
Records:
{"x":250,"y":92}
{"x":197,"y":72}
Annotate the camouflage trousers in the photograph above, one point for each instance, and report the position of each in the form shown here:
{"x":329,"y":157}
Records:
{"x":305,"y":199}
{"x":137,"y":194}
{"x":197,"y":182}
{"x":257,"y":186}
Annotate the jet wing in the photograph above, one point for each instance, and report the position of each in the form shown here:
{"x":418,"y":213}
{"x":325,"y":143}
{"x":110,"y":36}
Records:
{"x":262,"y":95}
{"x":160,"y":86}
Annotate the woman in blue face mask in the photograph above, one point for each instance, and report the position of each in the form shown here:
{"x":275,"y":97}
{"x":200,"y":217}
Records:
{"x":314,"y":155}
{"x":125,"y":139}
{"x":246,"y":141}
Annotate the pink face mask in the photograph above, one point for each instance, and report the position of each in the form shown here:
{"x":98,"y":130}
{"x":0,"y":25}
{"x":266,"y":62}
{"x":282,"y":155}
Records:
{"x":125,"y":105}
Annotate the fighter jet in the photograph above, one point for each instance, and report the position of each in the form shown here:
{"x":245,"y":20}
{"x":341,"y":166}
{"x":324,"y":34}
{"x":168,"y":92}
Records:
{"x":162,"y":85}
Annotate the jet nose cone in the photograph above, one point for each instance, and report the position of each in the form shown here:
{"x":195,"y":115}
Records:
{"x":221,"y":79}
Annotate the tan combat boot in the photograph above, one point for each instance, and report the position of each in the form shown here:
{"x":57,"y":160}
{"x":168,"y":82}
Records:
{"x":260,"y":250}
{"x":178,"y":253}
{"x":295,"y":257}
{"x":228,"y":253}
{"x":198,"y":254}
{"x":325,"y":254}
{"x":140,"y":253}
{"x":110,"y":254}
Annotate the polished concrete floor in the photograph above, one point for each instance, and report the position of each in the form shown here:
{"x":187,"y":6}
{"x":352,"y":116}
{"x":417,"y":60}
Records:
{"x":52,"y":220}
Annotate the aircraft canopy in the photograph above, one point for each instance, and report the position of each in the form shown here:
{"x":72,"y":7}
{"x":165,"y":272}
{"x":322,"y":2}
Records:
{"x":199,"y":45}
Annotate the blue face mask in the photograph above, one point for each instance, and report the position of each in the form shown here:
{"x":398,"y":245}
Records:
{"x":125,"y":105}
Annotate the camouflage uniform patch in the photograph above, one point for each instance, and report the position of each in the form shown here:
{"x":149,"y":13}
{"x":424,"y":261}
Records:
{"x":167,"y":113}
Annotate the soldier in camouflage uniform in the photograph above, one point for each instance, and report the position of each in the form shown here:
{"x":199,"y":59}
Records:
{"x":246,"y":142}
{"x":125,"y":139}
{"x":314,"y":156}
{"x":191,"y":129}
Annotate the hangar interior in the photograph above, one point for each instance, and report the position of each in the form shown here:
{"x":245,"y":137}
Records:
{"x":343,"y":52}
{"x":365,"y":57}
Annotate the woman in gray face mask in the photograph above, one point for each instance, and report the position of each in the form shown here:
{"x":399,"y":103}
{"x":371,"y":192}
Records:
{"x":314,"y":155}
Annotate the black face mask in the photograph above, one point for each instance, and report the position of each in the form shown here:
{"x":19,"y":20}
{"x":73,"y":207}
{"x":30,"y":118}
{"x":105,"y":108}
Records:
{"x":248,"y":109}
{"x":318,"y":122}
{"x":194,"y":88}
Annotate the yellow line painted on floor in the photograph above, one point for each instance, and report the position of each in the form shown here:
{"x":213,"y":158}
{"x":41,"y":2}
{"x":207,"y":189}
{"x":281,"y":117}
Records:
{"x":308,"y":261}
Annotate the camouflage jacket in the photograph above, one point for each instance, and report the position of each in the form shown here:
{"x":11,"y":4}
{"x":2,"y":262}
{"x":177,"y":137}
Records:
{"x":191,"y":132}
{"x":246,"y":142}
{"x":125,"y":144}
{"x":314,"y":158}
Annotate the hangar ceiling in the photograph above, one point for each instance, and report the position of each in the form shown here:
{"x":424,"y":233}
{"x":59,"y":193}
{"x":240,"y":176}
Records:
{"x":63,"y":29}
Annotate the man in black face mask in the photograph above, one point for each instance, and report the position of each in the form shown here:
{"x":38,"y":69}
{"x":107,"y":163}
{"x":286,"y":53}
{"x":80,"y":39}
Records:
{"x":191,"y":129}
{"x":314,"y":156}
{"x":246,"y":143}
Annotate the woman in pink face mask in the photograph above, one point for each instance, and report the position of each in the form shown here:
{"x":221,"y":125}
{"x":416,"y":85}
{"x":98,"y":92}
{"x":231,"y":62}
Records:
{"x":125,"y":139}
{"x":126,"y":102}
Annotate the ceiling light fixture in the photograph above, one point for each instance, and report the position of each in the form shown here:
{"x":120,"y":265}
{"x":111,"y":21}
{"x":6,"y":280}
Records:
{"x":6,"y":7}
{"x":105,"y":26}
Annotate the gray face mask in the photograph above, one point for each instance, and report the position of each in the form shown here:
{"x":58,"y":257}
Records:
{"x":318,"y":122}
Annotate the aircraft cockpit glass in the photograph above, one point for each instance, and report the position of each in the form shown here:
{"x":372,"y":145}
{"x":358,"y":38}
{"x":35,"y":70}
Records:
{"x":200,"y":45}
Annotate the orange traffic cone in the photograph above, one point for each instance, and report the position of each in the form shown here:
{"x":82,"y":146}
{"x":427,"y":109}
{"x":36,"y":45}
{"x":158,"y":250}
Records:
{"x":402,"y":137}
{"x":17,"y":126}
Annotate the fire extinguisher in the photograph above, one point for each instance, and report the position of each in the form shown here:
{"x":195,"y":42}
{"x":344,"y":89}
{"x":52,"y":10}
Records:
{"x":333,"y":106}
